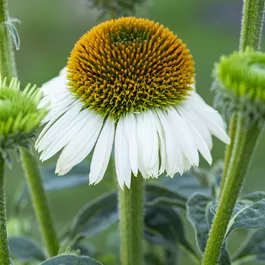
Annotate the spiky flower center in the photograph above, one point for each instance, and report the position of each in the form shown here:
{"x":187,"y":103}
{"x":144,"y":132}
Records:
{"x":130,"y":65}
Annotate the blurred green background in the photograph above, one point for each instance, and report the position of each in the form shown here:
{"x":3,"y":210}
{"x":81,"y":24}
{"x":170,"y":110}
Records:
{"x":48,"y":31}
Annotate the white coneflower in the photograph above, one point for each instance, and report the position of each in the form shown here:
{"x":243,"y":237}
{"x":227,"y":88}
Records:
{"x":128,"y":82}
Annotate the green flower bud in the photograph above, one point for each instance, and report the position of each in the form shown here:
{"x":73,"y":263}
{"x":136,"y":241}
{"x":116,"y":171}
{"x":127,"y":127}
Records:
{"x":20,"y":115}
{"x":240,"y":84}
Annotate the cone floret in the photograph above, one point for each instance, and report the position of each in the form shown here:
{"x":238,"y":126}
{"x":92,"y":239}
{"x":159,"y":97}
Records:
{"x":130,"y":65}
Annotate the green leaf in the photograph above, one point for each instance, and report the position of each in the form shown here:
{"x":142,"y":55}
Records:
{"x":70,"y":260}
{"x":100,"y":214}
{"x":197,"y":207}
{"x":224,"y":257}
{"x":164,"y":227}
{"x":200,"y":216}
{"x":158,"y":195}
{"x":96,"y":216}
{"x":24,"y":249}
{"x":185,"y":185}
{"x":248,"y":217}
{"x":77,"y":177}
{"x":252,"y":197}
{"x":253,"y":249}
{"x":51,"y":182}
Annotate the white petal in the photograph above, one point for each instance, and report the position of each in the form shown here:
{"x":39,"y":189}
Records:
{"x":148,"y":143}
{"x":131,"y":135}
{"x":64,"y":135}
{"x":81,"y":145}
{"x":162,"y":145}
{"x":47,"y":138}
{"x":211,"y":117}
{"x":56,"y":84}
{"x":102,"y":152}
{"x":122,"y":160}
{"x":185,"y":138}
{"x":56,"y":96}
{"x":216,"y":128}
{"x":199,"y":140}
{"x":200,"y":125}
{"x":173,"y":153}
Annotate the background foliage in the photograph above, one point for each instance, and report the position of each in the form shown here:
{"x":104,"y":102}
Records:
{"x":48,"y":31}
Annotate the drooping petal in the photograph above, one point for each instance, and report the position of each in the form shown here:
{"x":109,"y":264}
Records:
{"x":162,"y":145}
{"x":130,"y":128}
{"x":210,"y":117}
{"x":56,"y":96}
{"x":199,"y":140}
{"x":187,"y":143}
{"x":81,"y":145}
{"x":147,"y":143}
{"x":200,"y":125}
{"x":57,"y":85}
{"x":173,"y":153}
{"x":102,"y":152}
{"x":64,"y":135}
{"x":122,"y":160}
{"x":49,"y":133}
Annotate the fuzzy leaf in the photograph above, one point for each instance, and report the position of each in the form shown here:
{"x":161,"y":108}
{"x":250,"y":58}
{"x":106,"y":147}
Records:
{"x":200,"y":216}
{"x":253,"y":249}
{"x":185,"y":185}
{"x":158,"y":195}
{"x":252,"y":197}
{"x":197,"y":207}
{"x":102,"y":213}
{"x":76,"y":177}
{"x":224,"y":257}
{"x":164,"y":227}
{"x":95,"y":216}
{"x":70,"y":260}
{"x":248,"y":217}
{"x":24,"y":249}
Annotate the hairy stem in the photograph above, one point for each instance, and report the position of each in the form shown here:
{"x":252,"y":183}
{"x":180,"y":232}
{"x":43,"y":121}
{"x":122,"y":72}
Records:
{"x":4,"y":252}
{"x":7,"y":62}
{"x":228,"y":151}
{"x":39,"y":201}
{"x":245,"y":142}
{"x":251,"y":28}
{"x":131,"y":203}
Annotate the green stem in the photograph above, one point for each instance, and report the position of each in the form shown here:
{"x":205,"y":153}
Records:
{"x":229,"y":148}
{"x":4,"y":252}
{"x":245,"y":142}
{"x":39,"y":201}
{"x":131,"y":203}
{"x":7,"y":62}
{"x":251,"y":35}
{"x":252,"y":20}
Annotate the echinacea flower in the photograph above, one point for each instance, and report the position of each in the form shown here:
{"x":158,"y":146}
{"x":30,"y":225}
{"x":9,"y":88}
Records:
{"x":128,"y":83}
